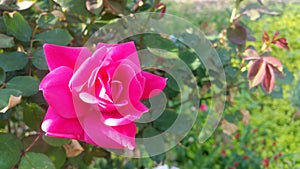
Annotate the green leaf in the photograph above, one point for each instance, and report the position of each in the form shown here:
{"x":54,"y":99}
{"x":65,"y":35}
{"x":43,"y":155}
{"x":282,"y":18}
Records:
{"x":39,"y":60}
{"x":6,"y":41}
{"x":154,"y":144}
{"x":57,"y":155}
{"x":13,"y":61}
{"x":33,"y":115}
{"x":10,"y":149}
{"x":17,"y":26}
{"x":35,"y":160}
{"x":166,"y":120}
{"x":163,"y":53}
{"x":26,"y":84}
{"x":56,"y":36}
{"x":159,"y":42}
{"x":5,"y":94}
{"x":2,"y":25}
{"x":276,"y":93}
{"x":287,"y":79}
{"x":2,"y":75}
{"x":78,"y":8}
{"x":56,"y":142}
{"x":171,"y":82}
{"x":46,"y":20}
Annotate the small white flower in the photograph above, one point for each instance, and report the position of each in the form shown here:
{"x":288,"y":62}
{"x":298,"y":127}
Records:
{"x":162,"y":167}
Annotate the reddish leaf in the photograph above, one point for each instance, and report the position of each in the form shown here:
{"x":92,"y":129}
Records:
{"x":237,"y":34}
{"x":274,"y":62}
{"x":251,"y":54}
{"x":282,"y":43}
{"x":275,"y":35}
{"x":256,"y":72}
{"x":162,"y":8}
{"x":265,"y":37}
{"x":269,"y":80}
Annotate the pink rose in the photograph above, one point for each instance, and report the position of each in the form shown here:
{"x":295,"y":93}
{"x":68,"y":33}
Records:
{"x":203,"y":107}
{"x":95,"y":97}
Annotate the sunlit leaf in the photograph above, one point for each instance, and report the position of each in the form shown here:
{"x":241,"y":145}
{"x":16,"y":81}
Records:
{"x":17,"y":26}
{"x":78,"y":8}
{"x":25,"y":4}
{"x":47,"y":20}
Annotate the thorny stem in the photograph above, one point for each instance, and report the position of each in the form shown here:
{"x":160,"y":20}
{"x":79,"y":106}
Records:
{"x":33,"y":143}
{"x":146,"y":23}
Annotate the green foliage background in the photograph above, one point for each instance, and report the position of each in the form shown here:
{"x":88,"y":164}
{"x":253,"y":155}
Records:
{"x":274,"y":119}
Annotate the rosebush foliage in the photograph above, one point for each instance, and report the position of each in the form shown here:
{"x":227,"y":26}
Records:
{"x":259,"y":125}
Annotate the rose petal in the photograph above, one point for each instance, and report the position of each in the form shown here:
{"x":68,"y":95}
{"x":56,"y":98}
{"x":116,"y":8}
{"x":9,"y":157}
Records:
{"x":121,"y":51}
{"x":256,"y":72}
{"x":124,"y":114}
{"x":57,"y":56}
{"x":57,"y":126}
{"x":108,"y":137}
{"x":269,"y":80}
{"x":87,"y":71}
{"x":132,"y":85}
{"x":153,"y":85}
{"x":57,"y":93}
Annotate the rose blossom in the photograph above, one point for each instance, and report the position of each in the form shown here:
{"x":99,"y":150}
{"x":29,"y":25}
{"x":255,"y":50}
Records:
{"x":95,"y":97}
